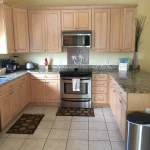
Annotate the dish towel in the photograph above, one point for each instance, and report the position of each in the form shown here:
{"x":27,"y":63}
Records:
{"x":76,"y":84}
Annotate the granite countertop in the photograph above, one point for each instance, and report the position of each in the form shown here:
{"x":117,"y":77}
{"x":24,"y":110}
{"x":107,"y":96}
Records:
{"x":131,"y":82}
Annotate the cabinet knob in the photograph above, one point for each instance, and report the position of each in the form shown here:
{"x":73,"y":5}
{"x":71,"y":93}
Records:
{"x":120,"y":101}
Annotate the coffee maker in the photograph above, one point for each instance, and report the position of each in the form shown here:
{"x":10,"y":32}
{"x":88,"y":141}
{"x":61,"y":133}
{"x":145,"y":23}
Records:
{"x":15,"y":65}
{"x":11,"y":65}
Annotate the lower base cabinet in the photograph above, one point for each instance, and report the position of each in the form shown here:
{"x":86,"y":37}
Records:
{"x":6,"y":113}
{"x":38,"y":90}
{"x":45,"y":90}
{"x":13,"y":101}
{"x":119,"y":109}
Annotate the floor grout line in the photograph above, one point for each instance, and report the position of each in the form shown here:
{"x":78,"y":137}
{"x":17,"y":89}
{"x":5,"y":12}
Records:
{"x":49,"y":131}
{"x":107,"y":131}
{"x":69,"y":133}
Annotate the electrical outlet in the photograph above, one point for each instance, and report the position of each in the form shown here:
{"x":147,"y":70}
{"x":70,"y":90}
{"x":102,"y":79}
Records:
{"x":106,"y":62}
{"x":148,"y":110}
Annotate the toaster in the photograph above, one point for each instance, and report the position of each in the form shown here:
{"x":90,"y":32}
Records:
{"x":29,"y":65}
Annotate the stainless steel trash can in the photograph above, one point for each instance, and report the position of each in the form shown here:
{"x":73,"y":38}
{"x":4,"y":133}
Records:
{"x":138,"y":131}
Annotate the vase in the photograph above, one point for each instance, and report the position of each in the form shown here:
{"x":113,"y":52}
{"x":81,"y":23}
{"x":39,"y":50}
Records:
{"x":135,"y":61}
{"x":46,"y":68}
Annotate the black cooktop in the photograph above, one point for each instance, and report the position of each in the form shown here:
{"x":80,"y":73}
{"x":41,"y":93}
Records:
{"x":75,"y":72}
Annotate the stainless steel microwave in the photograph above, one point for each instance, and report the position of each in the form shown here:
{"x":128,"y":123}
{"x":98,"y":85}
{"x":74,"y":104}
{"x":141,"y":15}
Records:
{"x":76,"y":38}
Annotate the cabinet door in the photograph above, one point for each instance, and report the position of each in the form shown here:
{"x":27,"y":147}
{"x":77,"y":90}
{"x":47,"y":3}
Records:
{"x":84,"y":19}
{"x":21,"y":30}
{"x":38,"y":90}
{"x":23,"y":93}
{"x":123,"y":120}
{"x":15,"y":101}
{"x":116,"y":30}
{"x":101,"y":29}
{"x":9,"y":28}
{"x":119,"y":110}
{"x":53,"y":90}
{"x":129,"y":29}
{"x":68,"y":19}
{"x":53,"y":31}
{"x":37,"y":31}
{"x":6,"y":111}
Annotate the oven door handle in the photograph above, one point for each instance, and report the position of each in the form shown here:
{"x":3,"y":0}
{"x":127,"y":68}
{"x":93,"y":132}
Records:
{"x":70,"y":81}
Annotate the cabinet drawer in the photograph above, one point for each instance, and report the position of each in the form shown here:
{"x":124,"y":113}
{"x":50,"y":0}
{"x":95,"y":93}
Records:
{"x":99,"y":77}
{"x":99,"y":83}
{"x":45,"y":76}
{"x":99,"y":90}
{"x":6,"y":87}
{"x":99,"y":98}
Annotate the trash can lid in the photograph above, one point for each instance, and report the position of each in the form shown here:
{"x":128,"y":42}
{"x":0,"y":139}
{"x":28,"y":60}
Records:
{"x":139,"y":118}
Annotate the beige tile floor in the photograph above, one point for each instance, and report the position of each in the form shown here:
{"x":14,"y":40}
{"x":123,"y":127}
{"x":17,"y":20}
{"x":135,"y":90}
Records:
{"x":66,"y":133}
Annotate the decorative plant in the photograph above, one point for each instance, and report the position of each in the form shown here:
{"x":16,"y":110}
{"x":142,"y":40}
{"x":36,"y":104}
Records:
{"x":140,"y":25}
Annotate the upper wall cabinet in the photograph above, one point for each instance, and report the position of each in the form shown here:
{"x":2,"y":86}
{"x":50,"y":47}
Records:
{"x":53,"y":31}
{"x":37,"y":30}
{"x":76,"y":19}
{"x":100,"y":29}
{"x":129,"y":29}
{"x":6,"y":30}
{"x":45,"y":31}
{"x":116,"y":31}
{"x":21,"y":30}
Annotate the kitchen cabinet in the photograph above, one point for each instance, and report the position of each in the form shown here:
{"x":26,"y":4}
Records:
{"x":13,"y":98}
{"x":129,"y":29}
{"x":53,"y":90}
{"x":38,"y":90}
{"x":15,"y":101}
{"x":119,"y":107}
{"x":116,"y":30}
{"x":37,"y":30}
{"x":6,"y":110}
{"x":24,"y":93}
{"x":20,"y":20}
{"x":99,"y":89}
{"x":76,"y":19}
{"x":53,"y":31}
{"x":45,"y":88}
{"x":6,"y":30}
{"x":45,"y":32}
{"x":100,"y":29}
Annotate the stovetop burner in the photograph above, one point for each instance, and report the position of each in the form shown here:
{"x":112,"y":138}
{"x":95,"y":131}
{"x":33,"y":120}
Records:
{"x":75,"y":72}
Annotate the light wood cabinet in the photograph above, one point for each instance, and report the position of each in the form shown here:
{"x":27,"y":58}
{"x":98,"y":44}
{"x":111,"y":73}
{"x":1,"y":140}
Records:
{"x":21,"y":32}
{"x":37,"y":30}
{"x":116,"y":30}
{"x":6,"y":30}
{"x":6,"y":110}
{"x":45,"y":31}
{"x":119,"y":108}
{"x":84,"y":19}
{"x":15,"y":100}
{"x":99,"y":89}
{"x":129,"y":29}
{"x":53,"y":90}
{"x":68,"y":19}
{"x":53,"y":31}
{"x":24,"y":93}
{"x":76,"y":19}
{"x":100,"y":29}
{"x":38,"y":90}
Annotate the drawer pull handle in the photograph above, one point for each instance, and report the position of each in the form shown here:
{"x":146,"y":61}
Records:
{"x":120,"y":101}
{"x":114,"y":91}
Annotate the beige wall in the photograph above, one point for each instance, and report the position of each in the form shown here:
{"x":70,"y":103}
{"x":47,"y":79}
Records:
{"x":67,"y":2}
{"x":95,"y":58}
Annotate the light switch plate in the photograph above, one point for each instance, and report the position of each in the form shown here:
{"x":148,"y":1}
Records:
{"x":148,"y":110}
